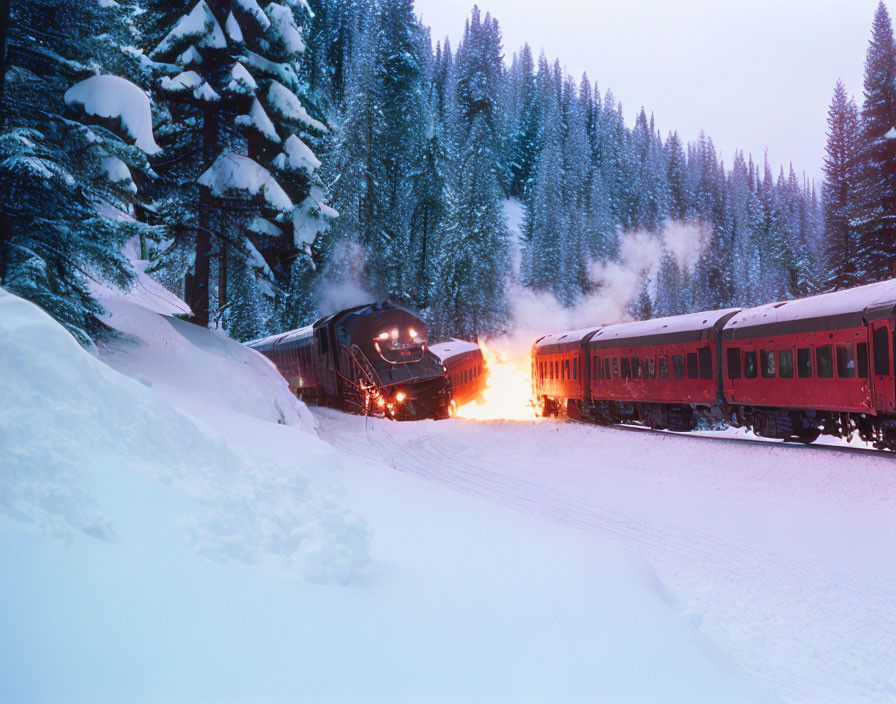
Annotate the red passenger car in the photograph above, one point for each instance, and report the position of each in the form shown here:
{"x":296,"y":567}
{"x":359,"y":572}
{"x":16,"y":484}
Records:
{"x":820,"y":364}
{"x":663,"y":372}
{"x":465,"y":367}
{"x":560,"y":371}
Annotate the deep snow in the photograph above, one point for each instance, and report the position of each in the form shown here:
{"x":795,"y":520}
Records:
{"x":181,"y":535}
{"x":175,"y":526}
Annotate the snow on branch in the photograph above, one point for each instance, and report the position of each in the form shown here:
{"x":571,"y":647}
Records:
{"x":116,"y":98}
{"x":233,"y":175}
{"x":283,"y":26}
{"x":199,"y":27}
{"x":252,"y":8}
{"x":190,"y":81}
{"x":286,"y":104}
{"x":296,"y":157}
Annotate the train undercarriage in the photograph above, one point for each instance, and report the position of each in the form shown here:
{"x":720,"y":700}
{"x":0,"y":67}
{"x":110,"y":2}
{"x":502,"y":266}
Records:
{"x":792,"y":425}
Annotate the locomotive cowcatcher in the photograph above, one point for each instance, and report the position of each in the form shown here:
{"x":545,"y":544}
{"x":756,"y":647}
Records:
{"x":371,"y":359}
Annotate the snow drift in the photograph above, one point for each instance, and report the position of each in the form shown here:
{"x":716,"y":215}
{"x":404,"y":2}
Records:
{"x":66,"y":416}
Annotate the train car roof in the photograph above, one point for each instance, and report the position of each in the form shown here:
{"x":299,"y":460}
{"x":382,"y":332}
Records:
{"x":266,"y":343}
{"x":454,"y":348}
{"x":849,"y":308}
{"x":661,"y":331}
{"x":561,"y":342}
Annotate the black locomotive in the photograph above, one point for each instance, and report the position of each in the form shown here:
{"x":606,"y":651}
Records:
{"x":371,"y":359}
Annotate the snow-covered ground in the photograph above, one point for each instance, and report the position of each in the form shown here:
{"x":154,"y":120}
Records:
{"x":782,"y":556}
{"x":175,"y":526}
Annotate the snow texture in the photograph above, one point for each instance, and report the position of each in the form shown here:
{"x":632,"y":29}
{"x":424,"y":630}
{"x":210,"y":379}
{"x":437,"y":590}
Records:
{"x":199,"y":27}
{"x":232,"y":27}
{"x":284,"y":28}
{"x":452,"y":348}
{"x":241,"y":81}
{"x":296,"y":156}
{"x":119,"y":173}
{"x":286,"y":104}
{"x":192,"y":82}
{"x":258,"y":120}
{"x":677,"y":323}
{"x":117,"y":98}
{"x":853,"y":300}
{"x":253,"y":10}
{"x":233,"y":175}
{"x":68,"y":419}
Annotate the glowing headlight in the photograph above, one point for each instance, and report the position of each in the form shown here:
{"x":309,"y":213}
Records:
{"x":383,"y":336}
{"x":395,"y":334}
{"x":400,"y":396}
{"x":412,"y":333}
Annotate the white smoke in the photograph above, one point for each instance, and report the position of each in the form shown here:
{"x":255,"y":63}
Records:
{"x":343,"y":286}
{"x":617,"y":285}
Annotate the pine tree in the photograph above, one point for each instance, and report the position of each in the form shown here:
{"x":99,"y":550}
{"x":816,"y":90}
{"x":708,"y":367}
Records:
{"x":474,"y":261}
{"x":838,"y":196}
{"x":877,"y":162}
{"x":229,"y":86}
{"x":72,"y":142}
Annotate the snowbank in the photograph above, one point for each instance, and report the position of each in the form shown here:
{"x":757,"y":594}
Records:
{"x":69,"y":425}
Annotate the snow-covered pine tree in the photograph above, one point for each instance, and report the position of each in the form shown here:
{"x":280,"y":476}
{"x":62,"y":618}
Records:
{"x":474,"y":262}
{"x":289,"y":242}
{"x":70,"y":136}
{"x":240,"y":176}
{"x":546,"y":218}
{"x":575,"y":191}
{"x":381,"y":146}
{"x":877,"y":162}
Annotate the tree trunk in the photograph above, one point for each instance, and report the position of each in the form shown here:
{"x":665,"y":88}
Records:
{"x":222,"y":279}
{"x":199,"y":298}
{"x":4,"y":220}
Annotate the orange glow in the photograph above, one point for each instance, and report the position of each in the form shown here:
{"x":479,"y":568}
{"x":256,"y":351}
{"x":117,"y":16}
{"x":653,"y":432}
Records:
{"x":508,"y":395}
{"x":400,"y":396}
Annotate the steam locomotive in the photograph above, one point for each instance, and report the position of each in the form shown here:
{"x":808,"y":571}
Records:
{"x":790,"y":370}
{"x":371,"y":359}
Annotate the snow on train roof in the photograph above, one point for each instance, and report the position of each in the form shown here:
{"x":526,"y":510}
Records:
{"x":281,"y":337}
{"x":851,"y":302}
{"x":674,"y":325}
{"x":451,"y":348}
{"x":562,"y":338}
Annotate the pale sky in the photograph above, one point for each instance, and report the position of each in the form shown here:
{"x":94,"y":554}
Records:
{"x":752,"y":74}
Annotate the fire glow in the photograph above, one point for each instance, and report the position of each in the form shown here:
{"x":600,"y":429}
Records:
{"x":508,"y":394}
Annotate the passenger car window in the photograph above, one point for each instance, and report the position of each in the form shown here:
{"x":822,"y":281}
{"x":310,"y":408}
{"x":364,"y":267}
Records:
{"x":846,"y":361}
{"x":804,"y":363}
{"x":734,"y":370}
{"x":678,"y":366}
{"x":575,"y":368}
{"x":664,"y":366}
{"x":705,"y":355}
{"x":750,"y":370}
{"x":824,"y":359}
{"x":615,"y":367}
{"x":785,"y":364}
{"x":693,"y":366}
{"x":767,"y":364}
{"x":862,"y":359}
{"x":626,"y":368}
{"x":881,"y":344}
{"x":651,"y":367}
{"x":606,"y":368}
{"x":636,"y":368}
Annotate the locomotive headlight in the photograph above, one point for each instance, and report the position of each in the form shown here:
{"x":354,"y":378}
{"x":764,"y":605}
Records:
{"x":412,"y":333}
{"x":395,"y":334}
{"x":383,"y":336}
{"x":400,"y":396}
